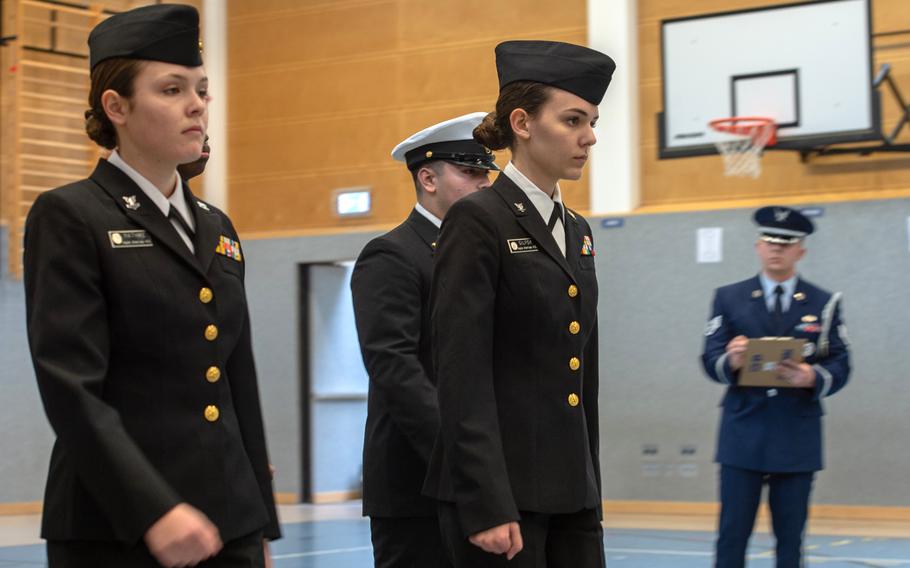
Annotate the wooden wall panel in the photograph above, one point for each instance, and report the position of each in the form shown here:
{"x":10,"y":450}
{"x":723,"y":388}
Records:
{"x":320,"y":93}
{"x":7,"y":128}
{"x":364,"y":140}
{"x":890,"y":16}
{"x":699,"y":181}
{"x":433,"y":23}
{"x":338,"y":31}
{"x":339,"y":88}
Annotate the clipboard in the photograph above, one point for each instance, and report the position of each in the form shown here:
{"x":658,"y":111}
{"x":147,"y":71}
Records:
{"x":762,"y":358}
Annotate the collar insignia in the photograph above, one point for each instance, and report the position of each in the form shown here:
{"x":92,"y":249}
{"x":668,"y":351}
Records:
{"x":132,"y":203}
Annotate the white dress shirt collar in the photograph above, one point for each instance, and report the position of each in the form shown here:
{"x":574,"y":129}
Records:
{"x":768,"y":285}
{"x":542,"y":202}
{"x":430,"y":217}
{"x":163,"y":203}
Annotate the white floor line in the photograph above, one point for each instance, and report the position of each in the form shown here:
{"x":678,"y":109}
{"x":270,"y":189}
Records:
{"x":883,"y":562}
{"x":322,"y":552}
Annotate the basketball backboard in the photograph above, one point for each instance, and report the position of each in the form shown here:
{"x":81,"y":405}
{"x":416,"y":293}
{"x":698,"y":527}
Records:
{"x":807,"y":66}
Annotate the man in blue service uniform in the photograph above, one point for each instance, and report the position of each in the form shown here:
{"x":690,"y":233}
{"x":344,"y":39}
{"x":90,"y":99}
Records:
{"x":767,"y":435}
{"x":391,"y":289}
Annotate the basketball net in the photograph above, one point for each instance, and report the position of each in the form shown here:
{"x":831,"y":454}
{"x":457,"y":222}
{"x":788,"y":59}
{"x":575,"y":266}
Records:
{"x":744,"y":140}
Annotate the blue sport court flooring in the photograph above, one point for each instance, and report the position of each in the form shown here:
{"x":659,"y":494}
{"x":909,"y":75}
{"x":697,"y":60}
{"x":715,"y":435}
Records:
{"x":346,"y":544}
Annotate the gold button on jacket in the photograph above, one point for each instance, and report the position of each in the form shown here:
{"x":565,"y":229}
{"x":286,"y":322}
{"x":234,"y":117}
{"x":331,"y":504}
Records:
{"x":205,"y":295}
{"x":211,"y":332}
{"x":574,"y":363}
{"x":573,"y":399}
{"x":213,"y":374}
{"x":212,"y":414}
{"x":574,"y":328}
{"x":573,"y":290}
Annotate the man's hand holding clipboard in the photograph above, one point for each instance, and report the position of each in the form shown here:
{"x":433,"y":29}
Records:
{"x":770,"y":362}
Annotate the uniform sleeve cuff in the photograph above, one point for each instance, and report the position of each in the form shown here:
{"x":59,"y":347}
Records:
{"x":823,"y":387}
{"x":480,"y":517}
{"x":720,"y":369}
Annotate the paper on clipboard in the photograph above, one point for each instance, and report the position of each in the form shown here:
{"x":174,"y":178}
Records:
{"x":762,"y":357}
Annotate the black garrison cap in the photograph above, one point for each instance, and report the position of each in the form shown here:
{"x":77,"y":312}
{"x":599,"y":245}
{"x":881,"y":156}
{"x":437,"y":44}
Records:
{"x":782,"y":225}
{"x":451,"y":140}
{"x":160,"y":32}
{"x":579,"y":70}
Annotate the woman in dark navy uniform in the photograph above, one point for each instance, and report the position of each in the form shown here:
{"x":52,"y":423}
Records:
{"x":139,"y":330}
{"x":515,"y":329}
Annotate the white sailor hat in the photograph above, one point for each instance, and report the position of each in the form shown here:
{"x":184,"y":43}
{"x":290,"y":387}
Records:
{"x":782,"y":225}
{"x":451,"y":140}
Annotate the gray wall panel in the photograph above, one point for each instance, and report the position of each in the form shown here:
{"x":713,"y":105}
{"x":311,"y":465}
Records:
{"x":654,"y":303}
{"x":655,"y":300}
{"x":25,"y":436}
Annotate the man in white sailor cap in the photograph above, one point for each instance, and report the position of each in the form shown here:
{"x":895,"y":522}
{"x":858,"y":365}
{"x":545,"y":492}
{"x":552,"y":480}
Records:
{"x":391,"y":289}
{"x":773,"y":436}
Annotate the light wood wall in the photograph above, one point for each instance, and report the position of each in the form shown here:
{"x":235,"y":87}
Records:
{"x":321,"y":91}
{"x":697,"y":182}
{"x":7,"y":24}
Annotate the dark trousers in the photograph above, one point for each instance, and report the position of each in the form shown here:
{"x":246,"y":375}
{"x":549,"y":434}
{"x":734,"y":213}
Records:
{"x":407,"y":542}
{"x":740,"y":495}
{"x":574,"y":540}
{"x":244,"y":552}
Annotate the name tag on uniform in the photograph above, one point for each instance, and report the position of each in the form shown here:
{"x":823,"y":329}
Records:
{"x":136,"y":238}
{"x":522,"y":245}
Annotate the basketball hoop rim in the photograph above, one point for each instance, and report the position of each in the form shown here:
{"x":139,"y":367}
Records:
{"x":745,"y":126}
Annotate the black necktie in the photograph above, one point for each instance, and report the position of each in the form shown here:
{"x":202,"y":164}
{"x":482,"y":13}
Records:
{"x":174,"y":215}
{"x":555,"y":216}
{"x":778,"y":309}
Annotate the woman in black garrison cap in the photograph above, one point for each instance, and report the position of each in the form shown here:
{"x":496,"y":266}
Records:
{"x":515,"y":329}
{"x":139,"y":330}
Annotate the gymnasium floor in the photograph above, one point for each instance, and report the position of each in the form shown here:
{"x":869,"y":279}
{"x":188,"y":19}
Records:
{"x":334,"y":536}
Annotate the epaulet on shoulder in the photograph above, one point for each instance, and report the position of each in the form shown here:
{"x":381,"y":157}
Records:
{"x":818,"y":291}
{"x":742,"y":284}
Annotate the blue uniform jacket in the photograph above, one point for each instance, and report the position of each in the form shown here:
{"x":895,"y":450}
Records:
{"x":775,"y":430}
